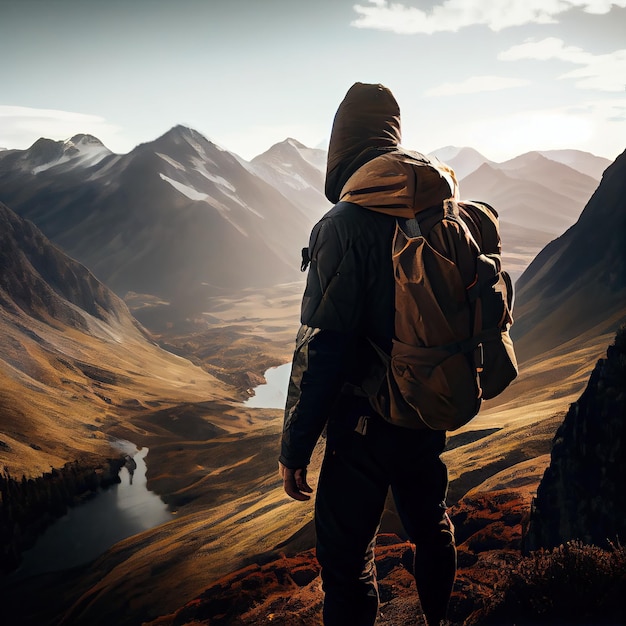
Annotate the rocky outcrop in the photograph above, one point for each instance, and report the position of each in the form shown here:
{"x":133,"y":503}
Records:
{"x":582,"y":494}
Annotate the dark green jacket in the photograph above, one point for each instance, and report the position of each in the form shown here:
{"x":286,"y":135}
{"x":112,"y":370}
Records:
{"x":349,"y":297}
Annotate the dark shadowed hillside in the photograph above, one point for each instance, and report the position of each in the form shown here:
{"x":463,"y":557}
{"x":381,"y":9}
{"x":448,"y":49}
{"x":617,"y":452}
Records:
{"x":577,"y":284}
{"x":40,"y":281}
{"x":581,"y":495}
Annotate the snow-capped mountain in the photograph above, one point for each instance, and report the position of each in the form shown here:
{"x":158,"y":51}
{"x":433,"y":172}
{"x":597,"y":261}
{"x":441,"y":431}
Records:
{"x":298,"y":173}
{"x":174,"y":217}
{"x":80,"y":151}
{"x":181,"y":217}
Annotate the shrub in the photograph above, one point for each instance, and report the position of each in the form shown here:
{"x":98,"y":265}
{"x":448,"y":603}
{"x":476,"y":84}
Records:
{"x":572,"y":584}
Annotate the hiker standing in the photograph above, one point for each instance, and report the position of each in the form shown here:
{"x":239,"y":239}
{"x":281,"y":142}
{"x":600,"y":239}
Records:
{"x":348,"y":315}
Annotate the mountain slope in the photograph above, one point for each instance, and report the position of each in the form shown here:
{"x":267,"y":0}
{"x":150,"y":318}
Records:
{"x":73,"y":362}
{"x":584,"y":162}
{"x":463,"y":161}
{"x":537,"y":195}
{"x":577,"y":284}
{"x":176,"y":217}
{"x":298,"y":173}
{"x":532,"y":192}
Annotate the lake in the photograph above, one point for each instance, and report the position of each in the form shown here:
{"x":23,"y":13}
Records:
{"x":273,"y":393}
{"x":89,"y":529}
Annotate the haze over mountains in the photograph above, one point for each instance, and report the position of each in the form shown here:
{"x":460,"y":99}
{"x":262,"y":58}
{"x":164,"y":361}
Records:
{"x":537,"y":195}
{"x":576,"y":286}
{"x":174,"y":217}
{"x":74,"y":363}
{"x":182,"y":218}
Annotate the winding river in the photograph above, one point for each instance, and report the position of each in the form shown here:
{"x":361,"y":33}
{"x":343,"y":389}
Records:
{"x":90,"y":529}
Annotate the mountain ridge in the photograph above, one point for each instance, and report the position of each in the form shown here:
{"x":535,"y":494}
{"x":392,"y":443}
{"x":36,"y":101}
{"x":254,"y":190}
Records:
{"x":73,"y":360}
{"x":578,"y":281}
{"x":164,"y":218}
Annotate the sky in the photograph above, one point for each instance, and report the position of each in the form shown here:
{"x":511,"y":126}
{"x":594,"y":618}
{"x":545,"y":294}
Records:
{"x":501,"y":76}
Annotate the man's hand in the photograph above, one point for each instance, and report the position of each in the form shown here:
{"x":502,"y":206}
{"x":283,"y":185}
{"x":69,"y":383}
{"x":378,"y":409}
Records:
{"x":294,"y":482}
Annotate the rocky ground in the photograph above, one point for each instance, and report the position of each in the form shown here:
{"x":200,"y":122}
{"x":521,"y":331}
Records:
{"x":287,"y":590}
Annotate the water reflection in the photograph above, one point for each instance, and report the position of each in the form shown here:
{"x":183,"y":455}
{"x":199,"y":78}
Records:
{"x":92,"y":528}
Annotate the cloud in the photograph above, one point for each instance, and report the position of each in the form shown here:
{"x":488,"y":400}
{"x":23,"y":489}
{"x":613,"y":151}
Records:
{"x":453,"y":15}
{"x":477,"y":84}
{"x":602,"y":72}
{"x":21,"y":126}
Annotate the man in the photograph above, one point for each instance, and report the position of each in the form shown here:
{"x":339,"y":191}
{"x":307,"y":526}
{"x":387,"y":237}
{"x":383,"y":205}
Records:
{"x":347,"y":309}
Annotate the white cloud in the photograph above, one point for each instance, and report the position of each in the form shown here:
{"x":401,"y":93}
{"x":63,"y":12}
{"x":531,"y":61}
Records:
{"x":477,"y":84}
{"x":453,"y":15}
{"x":21,"y":126}
{"x":603,"y":72}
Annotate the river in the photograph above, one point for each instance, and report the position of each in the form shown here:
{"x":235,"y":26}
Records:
{"x":124,"y":509}
{"x":90,"y":529}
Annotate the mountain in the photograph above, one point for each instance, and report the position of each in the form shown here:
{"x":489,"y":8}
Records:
{"x":178,"y":217}
{"x":74,"y":363}
{"x":463,"y":161}
{"x":538,"y":195}
{"x":532,"y":191}
{"x":466,"y":160}
{"x":584,"y":162}
{"x":537,"y":199}
{"x":298,"y":173}
{"x":577,"y":284}
{"x":181,"y":218}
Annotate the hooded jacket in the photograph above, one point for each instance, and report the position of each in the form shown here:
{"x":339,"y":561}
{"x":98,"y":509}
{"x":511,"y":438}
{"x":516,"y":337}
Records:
{"x":349,"y":295}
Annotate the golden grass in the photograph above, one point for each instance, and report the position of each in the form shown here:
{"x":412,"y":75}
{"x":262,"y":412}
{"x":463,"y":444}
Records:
{"x":223,"y":482}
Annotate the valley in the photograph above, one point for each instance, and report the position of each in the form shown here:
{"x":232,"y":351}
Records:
{"x":184,"y":312}
{"x":214,"y":464}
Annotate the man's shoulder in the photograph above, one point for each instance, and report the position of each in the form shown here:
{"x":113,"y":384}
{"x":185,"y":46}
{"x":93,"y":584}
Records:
{"x":354,"y":213}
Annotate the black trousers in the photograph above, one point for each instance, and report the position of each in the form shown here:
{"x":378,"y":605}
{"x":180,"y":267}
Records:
{"x":357,"y":472}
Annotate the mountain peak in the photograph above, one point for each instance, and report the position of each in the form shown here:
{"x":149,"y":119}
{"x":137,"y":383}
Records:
{"x":85,"y":140}
{"x":295,"y":143}
{"x":80,"y":150}
{"x":180,"y":135}
{"x":462,"y":160}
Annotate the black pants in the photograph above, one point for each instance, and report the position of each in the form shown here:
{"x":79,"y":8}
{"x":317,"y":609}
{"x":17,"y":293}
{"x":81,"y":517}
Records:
{"x":356,"y":474}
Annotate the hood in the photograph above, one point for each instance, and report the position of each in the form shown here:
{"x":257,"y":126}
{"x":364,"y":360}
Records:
{"x":367,"y":124}
{"x":367,"y":166}
{"x":400,"y":183}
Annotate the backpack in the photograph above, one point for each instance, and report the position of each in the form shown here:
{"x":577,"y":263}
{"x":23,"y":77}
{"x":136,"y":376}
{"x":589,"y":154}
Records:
{"x":453,"y":311}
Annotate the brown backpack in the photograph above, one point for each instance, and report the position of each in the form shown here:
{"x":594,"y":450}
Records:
{"x":453,"y":313}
